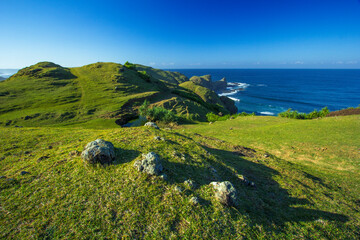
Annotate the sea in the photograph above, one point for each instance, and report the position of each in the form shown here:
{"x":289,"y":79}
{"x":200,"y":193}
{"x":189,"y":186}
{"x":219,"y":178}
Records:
{"x":271,"y":91}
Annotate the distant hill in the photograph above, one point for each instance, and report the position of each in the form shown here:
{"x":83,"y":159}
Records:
{"x":47,"y":94}
{"x":2,"y":78}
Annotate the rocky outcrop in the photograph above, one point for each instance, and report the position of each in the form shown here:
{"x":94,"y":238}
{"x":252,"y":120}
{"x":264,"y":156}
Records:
{"x":219,"y":85}
{"x":150,"y":164}
{"x":229,"y":104}
{"x":99,"y":151}
{"x":205,"y":81}
{"x":225,"y":193}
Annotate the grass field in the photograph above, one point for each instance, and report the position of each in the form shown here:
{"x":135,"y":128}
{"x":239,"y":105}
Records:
{"x":306,"y":174}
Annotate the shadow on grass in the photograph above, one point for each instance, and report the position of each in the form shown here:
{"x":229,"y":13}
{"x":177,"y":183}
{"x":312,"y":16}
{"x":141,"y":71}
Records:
{"x":266,"y":204}
{"x":124,"y":156}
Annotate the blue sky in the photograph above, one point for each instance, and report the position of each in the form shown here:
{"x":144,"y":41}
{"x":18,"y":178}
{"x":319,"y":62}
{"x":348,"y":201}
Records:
{"x":182,"y":33}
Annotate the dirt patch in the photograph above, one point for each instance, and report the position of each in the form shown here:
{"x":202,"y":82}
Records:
{"x":345,"y":112}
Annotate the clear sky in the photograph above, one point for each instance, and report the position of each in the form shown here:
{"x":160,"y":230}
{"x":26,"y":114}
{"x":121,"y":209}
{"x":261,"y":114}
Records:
{"x":182,"y":33}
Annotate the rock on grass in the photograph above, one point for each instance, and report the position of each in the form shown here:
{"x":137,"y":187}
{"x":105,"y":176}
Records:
{"x":151,"y":124}
{"x":150,"y":164}
{"x":99,"y":151}
{"x":225,"y":193}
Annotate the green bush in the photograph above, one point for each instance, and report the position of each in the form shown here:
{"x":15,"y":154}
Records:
{"x":296,"y":115}
{"x":130,"y":65}
{"x":157,"y":114}
{"x":144,"y":75}
{"x":212,"y":117}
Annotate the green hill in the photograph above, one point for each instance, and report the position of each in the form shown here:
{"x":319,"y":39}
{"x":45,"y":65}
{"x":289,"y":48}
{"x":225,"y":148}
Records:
{"x":294,"y":179}
{"x":306,"y":182}
{"x":48,"y":94}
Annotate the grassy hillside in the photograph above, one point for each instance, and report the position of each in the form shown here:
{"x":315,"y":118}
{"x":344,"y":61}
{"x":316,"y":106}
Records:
{"x":48,"y":94}
{"x":306,"y":175}
{"x":327,"y":147}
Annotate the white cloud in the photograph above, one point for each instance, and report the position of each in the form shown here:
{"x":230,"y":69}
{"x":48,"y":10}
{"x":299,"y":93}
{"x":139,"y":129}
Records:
{"x":299,"y":62}
{"x":152,"y":63}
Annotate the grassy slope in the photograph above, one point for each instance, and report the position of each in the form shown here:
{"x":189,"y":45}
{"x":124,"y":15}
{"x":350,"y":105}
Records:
{"x":51,"y":95}
{"x":294,"y":198}
{"x":328,"y":147}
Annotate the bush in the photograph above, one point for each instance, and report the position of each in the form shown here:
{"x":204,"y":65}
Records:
{"x":212,"y":117}
{"x":296,"y":115}
{"x":144,"y":75}
{"x":130,"y":65}
{"x":159,"y":114}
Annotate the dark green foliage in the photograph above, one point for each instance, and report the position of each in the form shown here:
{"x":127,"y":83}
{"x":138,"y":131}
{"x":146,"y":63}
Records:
{"x":296,"y":115}
{"x":159,"y":114}
{"x":130,"y":65}
{"x":144,"y":75}
{"x":244,"y":114}
{"x":212,"y":117}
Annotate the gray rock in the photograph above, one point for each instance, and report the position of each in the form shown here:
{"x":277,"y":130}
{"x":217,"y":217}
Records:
{"x":99,"y":151}
{"x":150,"y":164}
{"x":24,"y":173}
{"x":194,"y":200}
{"x":190,"y":183}
{"x":159,"y":138}
{"x":151,"y":124}
{"x":225,"y":193}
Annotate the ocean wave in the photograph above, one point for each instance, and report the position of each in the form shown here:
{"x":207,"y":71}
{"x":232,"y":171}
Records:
{"x":233,"y":88}
{"x":238,"y":85}
{"x":267,"y":113}
{"x":261,"y":85}
{"x":234,"y":99}
{"x":229,"y":93}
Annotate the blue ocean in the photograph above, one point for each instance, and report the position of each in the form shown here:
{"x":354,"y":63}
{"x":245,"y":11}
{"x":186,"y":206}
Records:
{"x":271,"y":91}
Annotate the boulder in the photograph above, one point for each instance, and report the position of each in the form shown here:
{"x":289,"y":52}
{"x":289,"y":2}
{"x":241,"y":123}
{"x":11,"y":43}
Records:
{"x":99,"y":151}
{"x":225,"y":193}
{"x":151,"y":124}
{"x":150,"y":164}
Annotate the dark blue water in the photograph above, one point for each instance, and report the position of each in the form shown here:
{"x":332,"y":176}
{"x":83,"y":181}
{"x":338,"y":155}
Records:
{"x":271,"y":91}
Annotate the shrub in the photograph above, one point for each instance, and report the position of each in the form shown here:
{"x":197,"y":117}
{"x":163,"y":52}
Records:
{"x":130,"y":65}
{"x":144,"y":75}
{"x":296,"y":115}
{"x":212,"y":117}
{"x":159,"y":114}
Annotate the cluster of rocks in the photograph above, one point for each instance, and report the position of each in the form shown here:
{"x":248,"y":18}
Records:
{"x":103,"y":152}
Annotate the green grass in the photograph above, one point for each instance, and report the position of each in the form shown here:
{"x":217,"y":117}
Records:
{"x":307,"y":173}
{"x":295,"y":197}
{"x":48,"y":94}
